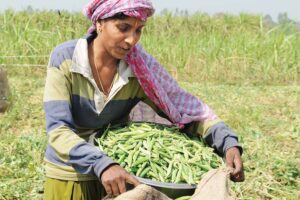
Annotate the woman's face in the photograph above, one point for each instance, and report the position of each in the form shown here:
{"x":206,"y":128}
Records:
{"x":118,"y":36}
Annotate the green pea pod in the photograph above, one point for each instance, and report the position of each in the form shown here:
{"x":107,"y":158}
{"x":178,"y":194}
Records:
{"x":178,"y":176}
{"x":145,"y":171}
{"x":174,"y":173}
{"x":122,"y":158}
{"x":184,"y":198}
{"x":169,"y":170}
{"x":139,"y":161}
{"x":141,"y":169}
{"x":153,"y":176}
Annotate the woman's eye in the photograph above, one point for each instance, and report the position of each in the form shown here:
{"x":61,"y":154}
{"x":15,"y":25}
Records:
{"x":123,"y":28}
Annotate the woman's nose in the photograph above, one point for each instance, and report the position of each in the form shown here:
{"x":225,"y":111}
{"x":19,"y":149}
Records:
{"x":132,"y":39}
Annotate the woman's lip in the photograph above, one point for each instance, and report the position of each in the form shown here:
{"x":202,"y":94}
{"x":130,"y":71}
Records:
{"x":125,"y":50}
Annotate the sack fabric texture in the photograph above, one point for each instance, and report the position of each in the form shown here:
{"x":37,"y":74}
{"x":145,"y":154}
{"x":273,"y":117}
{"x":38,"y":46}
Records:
{"x":213,"y":186}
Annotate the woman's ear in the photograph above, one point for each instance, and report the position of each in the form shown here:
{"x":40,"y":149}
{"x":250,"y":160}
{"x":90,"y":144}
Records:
{"x":99,"y":25}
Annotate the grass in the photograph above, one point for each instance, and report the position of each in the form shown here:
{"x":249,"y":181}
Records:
{"x":248,"y":51}
{"x":248,"y":72}
{"x":268,"y":127}
{"x":23,"y":137}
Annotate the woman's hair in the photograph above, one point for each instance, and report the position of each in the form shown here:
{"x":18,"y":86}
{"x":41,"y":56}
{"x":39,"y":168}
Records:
{"x":119,"y":16}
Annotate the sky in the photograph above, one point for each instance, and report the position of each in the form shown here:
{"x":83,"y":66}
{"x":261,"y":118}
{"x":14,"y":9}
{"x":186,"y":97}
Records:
{"x":271,"y":7}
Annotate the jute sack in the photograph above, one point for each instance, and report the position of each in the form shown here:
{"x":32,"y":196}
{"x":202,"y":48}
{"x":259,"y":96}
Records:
{"x":213,"y":186}
{"x":4,"y":91}
{"x":141,"y":192}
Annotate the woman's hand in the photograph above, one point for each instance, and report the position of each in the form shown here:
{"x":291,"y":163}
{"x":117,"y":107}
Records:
{"x":114,"y":180}
{"x":233,"y":160}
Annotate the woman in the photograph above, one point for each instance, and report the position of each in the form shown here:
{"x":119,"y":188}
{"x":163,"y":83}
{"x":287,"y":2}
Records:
{"x":96,"y":81}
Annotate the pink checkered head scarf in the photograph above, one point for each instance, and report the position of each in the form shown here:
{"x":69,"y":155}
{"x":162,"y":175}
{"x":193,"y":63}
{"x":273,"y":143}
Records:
{"x":180,"y":106}
{"x":102,"y":9}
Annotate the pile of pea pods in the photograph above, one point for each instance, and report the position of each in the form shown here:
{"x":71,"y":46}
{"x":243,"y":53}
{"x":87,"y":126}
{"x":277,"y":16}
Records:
{"x":159,"y":153}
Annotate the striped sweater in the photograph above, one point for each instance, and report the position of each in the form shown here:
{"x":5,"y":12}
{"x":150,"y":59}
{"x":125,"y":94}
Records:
{"x":76,"y":109}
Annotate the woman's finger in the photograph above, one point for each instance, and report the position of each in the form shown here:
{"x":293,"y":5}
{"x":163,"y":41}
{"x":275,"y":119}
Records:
{"x":122,"y":186}
{"x":115,"y":188}
{"x":229,"y":158}
{"x":237,"y":165}
{"x":130,"y":179}
{"x":107,"y":189}
{"x":238,"y":173}
{"x":239,"y":177}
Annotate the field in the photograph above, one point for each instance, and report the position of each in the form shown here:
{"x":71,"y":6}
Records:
{"x":243,"y":68}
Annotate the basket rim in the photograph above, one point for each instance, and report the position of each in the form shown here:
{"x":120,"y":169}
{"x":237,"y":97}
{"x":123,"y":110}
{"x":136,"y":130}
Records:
{"x":166,"y":185}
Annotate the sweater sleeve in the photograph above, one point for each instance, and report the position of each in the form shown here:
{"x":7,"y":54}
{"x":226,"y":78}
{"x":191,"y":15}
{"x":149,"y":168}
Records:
{"x":221,"y":138}
{"x":66,"y":146}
